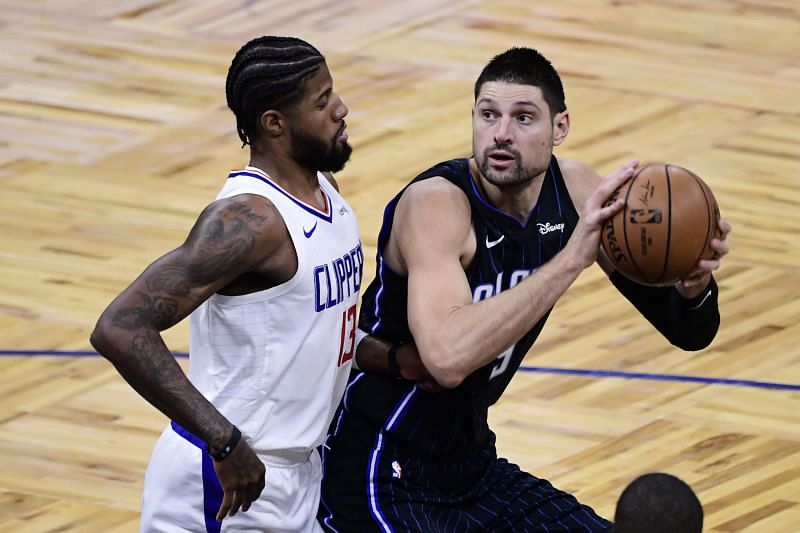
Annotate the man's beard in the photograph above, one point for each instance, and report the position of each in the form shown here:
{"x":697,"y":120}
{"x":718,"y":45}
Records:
{"x":514,"y":176}
{"x":313,"y":152}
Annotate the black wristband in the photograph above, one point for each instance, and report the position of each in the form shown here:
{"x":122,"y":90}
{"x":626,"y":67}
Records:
{"x":708,"y":294}
{"x":394,"y":368}
{"x":226,"y":450}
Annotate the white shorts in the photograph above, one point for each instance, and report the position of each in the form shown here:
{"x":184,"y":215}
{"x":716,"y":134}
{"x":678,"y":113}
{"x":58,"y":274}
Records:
{"x":182,"y":492}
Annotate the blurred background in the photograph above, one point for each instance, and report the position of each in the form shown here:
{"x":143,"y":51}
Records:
{"x":114,"y":134}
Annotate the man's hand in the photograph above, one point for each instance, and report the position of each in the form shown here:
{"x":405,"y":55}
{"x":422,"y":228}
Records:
{"x":697,"y":280}
{"x":411,"y":368}
{"x":585,"y":241}
{"x":242,"y":476}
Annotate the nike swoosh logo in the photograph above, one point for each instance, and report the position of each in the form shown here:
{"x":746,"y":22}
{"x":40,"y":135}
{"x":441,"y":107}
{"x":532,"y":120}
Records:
{"x":492,"y":244}
{"x":310,"y":232}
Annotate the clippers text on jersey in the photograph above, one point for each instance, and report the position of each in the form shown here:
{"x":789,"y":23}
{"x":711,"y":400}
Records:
{"x":334,"y":282}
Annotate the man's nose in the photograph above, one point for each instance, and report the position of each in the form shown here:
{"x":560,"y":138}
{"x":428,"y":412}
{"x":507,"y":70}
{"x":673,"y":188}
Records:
{"x":341,"y":111}
{"x":502,"y":133}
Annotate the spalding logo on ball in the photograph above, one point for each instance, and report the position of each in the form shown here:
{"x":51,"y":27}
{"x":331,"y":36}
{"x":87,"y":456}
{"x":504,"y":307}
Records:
{"x":665,"y":227}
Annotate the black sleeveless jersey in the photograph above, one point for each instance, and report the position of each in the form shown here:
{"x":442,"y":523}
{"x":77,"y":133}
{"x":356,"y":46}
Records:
{"x":453,"y":422}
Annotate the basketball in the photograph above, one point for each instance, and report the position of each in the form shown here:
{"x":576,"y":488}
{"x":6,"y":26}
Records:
{"x":665,"y":227}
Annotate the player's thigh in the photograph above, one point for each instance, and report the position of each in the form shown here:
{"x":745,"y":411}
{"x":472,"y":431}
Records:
{"x":288,"y":503}
{"x":174,"y":489}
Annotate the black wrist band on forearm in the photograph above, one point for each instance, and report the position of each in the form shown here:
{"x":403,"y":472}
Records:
{"x":226,"y":450}
{"x":707,"y":296}
{"x":394,"y":368}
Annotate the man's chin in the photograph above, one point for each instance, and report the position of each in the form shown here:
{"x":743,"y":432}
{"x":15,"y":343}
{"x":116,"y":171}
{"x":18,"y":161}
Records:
{"x":502,"y":178}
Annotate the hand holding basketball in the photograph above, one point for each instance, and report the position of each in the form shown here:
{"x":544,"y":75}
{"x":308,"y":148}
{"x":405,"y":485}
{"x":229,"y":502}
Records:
{"x":668,"y":229}
{"x":598,"y":208}
{"x":691,"y":285}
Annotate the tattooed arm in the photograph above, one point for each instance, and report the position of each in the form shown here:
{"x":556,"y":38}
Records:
{"x":232,"y":236}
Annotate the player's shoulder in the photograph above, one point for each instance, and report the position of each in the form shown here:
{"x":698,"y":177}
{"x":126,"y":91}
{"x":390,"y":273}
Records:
{"x":435,"y":193}
{"x":251,"y":217}
{"x":577,"y":171}
{"x":432,"y":214}
{"x":581,"y":179}
{"x":245,"y":207}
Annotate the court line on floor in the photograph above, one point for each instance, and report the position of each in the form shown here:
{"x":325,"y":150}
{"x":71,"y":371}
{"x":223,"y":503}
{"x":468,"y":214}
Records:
{"x":583,"y":372}
{"x":586,"y":372}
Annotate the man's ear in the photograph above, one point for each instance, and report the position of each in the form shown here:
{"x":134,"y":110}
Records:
{"x":560,"y":127}
{"x":273,"y":123}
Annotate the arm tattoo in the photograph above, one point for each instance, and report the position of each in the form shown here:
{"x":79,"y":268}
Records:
{"x":160,"y":380}
{"x":170,"y":279}
{"x":225,"y":241}
{"x":156,"y":311}
{"x":223,"y":247}
{"x":220,"y":244}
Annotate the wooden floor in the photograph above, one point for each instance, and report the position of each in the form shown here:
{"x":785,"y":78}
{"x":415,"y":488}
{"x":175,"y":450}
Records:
{"x":114,"y":134}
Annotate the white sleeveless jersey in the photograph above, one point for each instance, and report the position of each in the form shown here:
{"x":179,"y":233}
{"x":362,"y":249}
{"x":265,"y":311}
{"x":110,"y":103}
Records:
{"x":276,"y":362}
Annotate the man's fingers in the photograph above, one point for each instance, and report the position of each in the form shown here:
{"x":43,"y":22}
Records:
{"x":225,"y":506}
{"x":242,"y":499}
{"x":720,"y":246}
{"x":707,"y":265}
{"x":253,"y":494}
{"x":612,"y":209}
{"x":613,"y":182}
{"x":724,"y":228}
{"x":619,"y":177}
{"x":237,"y":503}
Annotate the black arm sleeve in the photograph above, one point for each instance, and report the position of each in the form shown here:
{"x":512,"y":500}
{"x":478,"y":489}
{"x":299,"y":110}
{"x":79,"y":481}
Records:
{"x":689,"y":324}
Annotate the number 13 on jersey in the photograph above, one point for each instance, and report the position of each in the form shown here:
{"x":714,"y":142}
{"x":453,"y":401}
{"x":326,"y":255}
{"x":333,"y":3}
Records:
{"x":347,"y":343}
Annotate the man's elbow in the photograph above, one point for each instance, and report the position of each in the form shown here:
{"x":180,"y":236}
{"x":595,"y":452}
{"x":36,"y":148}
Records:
{"x":692,"y":345}
{"x":445,"y":370}
{"x":698,"y":340}
{"x":102,"y":338}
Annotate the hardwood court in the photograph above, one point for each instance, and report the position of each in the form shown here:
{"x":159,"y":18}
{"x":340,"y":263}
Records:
{"x":114,"y":134}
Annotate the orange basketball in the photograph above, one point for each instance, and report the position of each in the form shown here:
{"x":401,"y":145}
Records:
{"x":665,"y":227}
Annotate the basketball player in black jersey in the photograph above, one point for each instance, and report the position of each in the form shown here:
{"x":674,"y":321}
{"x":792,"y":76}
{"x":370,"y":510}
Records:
{"x":472,"y":256}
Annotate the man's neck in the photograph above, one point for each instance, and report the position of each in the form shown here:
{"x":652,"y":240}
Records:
{"x":297,"y":180}
{"x":286,"y":172}
{"x":516,"y":201}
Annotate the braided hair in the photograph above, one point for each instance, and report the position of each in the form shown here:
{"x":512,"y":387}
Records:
{"x":268,"y":73}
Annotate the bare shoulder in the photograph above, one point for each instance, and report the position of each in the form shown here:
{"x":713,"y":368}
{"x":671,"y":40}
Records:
{"x":242,"y":228}
{"x":581,"y":179}
{"x":432,"y":221}
{"x":433,"y":190}
{"x":434,"y":198}
{"x":331,"y":180}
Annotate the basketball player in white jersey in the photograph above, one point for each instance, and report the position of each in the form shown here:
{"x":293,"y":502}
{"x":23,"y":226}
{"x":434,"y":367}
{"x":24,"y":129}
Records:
{"x":270,"y":274}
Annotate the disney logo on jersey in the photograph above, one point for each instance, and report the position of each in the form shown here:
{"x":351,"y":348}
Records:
{"x":547,"y":227}
{"x":338,"y":280}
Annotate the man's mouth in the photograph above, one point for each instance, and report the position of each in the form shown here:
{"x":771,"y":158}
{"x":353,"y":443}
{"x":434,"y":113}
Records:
{"x":501,"y":157}
{"x":342,"y":135}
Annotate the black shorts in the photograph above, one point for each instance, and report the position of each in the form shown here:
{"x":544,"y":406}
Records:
{"x":369,"y":484}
